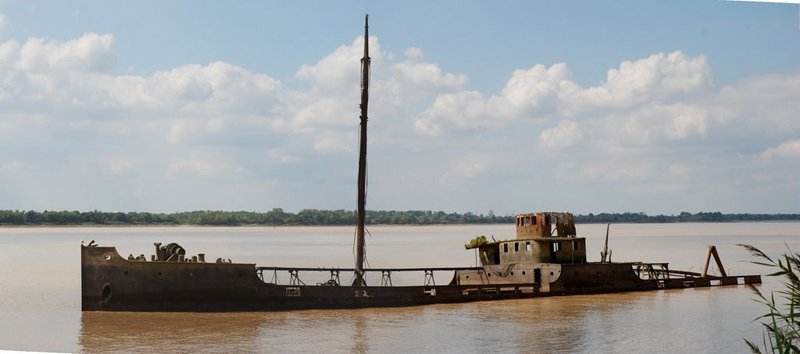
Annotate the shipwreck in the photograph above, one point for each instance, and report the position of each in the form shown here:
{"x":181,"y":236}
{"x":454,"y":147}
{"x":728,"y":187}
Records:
{"x":547,"y":258}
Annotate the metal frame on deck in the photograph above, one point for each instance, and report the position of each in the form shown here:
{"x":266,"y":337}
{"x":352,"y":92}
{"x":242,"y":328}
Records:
{"x":386,"y":274}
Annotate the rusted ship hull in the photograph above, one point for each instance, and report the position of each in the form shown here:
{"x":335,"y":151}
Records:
{"x":111,"y":283}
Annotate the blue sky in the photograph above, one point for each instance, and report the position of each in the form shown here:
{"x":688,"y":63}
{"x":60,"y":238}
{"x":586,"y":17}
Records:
{"x":654,"y":106}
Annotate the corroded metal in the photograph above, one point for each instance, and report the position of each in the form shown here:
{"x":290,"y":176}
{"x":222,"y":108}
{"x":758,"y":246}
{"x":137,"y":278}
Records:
{"x":712,"y":252}
{"x":109,"y":282}
{"x":362,"y":162}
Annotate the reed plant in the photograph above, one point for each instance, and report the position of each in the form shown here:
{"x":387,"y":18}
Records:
{"x":781,"y":331}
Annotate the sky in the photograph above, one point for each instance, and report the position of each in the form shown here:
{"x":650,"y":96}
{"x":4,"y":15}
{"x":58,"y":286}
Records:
{"x":509,"y":107}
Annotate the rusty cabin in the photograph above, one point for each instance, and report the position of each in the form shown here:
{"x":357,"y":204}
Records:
{"x":545,"y":237}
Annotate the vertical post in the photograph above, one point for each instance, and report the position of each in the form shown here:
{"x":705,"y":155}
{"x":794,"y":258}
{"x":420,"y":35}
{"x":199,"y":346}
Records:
{"x":604,"y":255}
{"x":362,"y":162}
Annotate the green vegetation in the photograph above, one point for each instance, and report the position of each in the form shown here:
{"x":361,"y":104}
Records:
{"x":476,"y":242}
{"x":339,"y":217}
{"x":782,"y":327}
{"x":682,"y":217}
{"x":274,"y":217}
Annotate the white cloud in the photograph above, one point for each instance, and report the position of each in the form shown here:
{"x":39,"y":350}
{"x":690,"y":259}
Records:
{"x":9,"y":54}
{"x":764,"y":105}
{"x":656,"y":122}
{"x":331,"y":143}
{"x":340,"y":68}
{"x":424,"y":75}
{"x":426,"y":125}
{"x":566,"y":134}
{"x":540,"y":92}
{"x":655,"y":77}
{"x":465,"y":168}
{"x":413,"y":53}
{"x":213,"y":89}
{"x":410,"y":83}
{"x":74,"y":76}
{"x":462,"y":109}
{"x":789,"y":149}
{"x":89,"y":53}
{"x":528,"y":93}
{"x":532,"y":91}
{"x":652,"y":127}
{"x":330,"y":102}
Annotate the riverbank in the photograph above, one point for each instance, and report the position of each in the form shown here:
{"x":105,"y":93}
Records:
{"x":316,"y":217}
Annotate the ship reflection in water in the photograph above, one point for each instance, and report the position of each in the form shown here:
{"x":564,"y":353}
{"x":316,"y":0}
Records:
{"x":557,"y":324}
{"x":308,"y":331}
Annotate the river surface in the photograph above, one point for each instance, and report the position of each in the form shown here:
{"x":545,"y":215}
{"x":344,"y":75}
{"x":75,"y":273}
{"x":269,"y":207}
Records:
{"x":40,"y":294}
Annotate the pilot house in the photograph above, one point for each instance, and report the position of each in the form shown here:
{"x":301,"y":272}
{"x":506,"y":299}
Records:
{"x":541,"y":238}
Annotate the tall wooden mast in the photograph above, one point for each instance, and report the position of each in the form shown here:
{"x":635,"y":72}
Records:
{"x":362,"y":162}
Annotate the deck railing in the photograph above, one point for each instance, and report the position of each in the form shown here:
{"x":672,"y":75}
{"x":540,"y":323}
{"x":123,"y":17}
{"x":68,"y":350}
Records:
{"x":270,"y":274}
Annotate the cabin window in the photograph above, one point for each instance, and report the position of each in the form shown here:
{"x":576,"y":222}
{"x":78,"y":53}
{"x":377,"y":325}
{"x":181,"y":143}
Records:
{"x":555,"y":246}
{"x":533,"y":220}
{"x":575,"y":245}
{"x":505,"y":248}
{"x":527,"y":246}
{"x":516,"y":246}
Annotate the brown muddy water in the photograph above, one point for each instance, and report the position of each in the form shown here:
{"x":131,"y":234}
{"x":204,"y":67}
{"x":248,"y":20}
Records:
{"x":40,"y":294}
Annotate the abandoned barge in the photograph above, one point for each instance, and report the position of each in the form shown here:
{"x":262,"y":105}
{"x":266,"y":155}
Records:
{"x":546,"y":258}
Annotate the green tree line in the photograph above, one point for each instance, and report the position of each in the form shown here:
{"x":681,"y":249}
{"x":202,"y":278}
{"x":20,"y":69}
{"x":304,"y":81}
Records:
{"x":278,"y":216}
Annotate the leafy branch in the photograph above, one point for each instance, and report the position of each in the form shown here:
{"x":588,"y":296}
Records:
{"x":781,"y":326}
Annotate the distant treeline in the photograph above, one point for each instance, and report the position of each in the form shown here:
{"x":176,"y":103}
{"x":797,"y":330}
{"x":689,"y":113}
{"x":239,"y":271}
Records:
{"x":340,"y":217}
{"x":682,"y":217}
